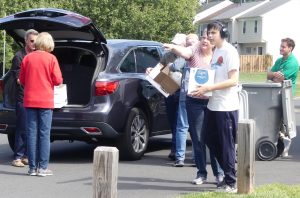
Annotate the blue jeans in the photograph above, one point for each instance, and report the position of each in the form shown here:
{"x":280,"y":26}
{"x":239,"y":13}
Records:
{"x":171,"y":108}
{"x":20,"y":135}
{"x":195,"y":111}
{"x":38,"y":137}
{"x":181,"y":129}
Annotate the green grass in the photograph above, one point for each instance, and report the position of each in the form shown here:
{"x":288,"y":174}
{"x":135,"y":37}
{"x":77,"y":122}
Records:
{"x":266,"y":191}
{"x":262,"y":77}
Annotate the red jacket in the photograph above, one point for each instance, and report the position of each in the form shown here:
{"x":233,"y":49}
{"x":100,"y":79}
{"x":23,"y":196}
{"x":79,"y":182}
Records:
{"x":39,"y":74}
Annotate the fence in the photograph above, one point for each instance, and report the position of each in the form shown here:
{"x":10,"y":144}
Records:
{"x":255,"y":63}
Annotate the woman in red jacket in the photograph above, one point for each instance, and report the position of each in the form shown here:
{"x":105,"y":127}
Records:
{"x":39,"y":74}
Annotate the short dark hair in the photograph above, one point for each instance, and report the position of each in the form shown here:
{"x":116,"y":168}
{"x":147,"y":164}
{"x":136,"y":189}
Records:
{"x":217,"y":25}
{"x":290,"y":42}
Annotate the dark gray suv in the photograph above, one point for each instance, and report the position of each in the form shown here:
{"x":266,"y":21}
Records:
{"x":109,"y":99}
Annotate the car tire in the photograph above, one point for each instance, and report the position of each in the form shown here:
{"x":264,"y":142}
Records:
{"x":11,"y":140}
{"x":133,"y":143}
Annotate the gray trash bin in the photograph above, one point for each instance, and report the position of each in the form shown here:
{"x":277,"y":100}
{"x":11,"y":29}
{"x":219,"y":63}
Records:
{"x":265,"y":107}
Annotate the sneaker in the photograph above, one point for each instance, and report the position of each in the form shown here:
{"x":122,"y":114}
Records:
{"x":44,"y":172}
{"x":199,"y":180}
{"x":24,"y":161}
{"x":219,"y":180}
{"x":178,"y":163}
{"x":17,"y":163}
{"x":227,"y":188}
{"x":32,"y":172}
{"x":230,"y":189}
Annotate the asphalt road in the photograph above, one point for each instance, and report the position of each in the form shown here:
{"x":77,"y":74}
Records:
{"x":152,"y":176}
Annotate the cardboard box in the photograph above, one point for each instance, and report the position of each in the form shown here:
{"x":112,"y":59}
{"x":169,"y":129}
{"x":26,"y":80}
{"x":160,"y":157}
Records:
{"x":162,"y":80}
{"x":60,"y":96}
{"x":200,"y":77}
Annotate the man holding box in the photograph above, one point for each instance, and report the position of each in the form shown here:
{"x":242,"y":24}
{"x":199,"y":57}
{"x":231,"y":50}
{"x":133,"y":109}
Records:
{"x":221,"y":120}
{"x":198,"y":56}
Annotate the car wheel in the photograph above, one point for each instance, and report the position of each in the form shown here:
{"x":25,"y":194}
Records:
{"x":133,"y":143}
{"x":11,"y":140}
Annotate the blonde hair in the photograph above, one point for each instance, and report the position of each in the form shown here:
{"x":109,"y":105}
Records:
{"x":192,"y":36}
{"x":44,"y":42}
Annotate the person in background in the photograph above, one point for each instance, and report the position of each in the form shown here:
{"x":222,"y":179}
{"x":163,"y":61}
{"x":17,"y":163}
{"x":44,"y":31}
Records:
{"x":198,"y":56}
{"x":172,"y":102}
{"x":221,"y":119}
{"x":20,"y":147}
{"x":175,"y":64}
{"x":182,"y":122}
{"x":40,"y":72}
{"x":285,"y":68}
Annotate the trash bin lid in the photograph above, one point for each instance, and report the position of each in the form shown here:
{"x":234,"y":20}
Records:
{"x":266,"y":84}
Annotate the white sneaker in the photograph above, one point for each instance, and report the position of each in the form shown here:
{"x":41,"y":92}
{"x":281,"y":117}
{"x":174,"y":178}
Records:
{"x":199,"y":180}
{"x":230,"y":189}
{"x":44,"y":172}
{"x":219,"y":180}
{"x":227,"y":188}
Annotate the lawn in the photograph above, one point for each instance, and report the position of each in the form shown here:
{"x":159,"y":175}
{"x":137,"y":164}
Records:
{"x":265,"y":191}
{"x":262,"y":77}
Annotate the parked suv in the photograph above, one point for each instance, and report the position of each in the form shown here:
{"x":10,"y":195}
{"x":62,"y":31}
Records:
{"x":108,"y":96}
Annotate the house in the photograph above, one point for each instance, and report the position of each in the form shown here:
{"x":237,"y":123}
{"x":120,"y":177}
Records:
{"x":261,"y":30}
{"x":257,"y":27}
{"x":208,"y":9}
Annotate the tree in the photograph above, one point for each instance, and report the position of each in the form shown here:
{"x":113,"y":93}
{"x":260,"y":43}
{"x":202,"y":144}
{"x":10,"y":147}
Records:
{"x":156,"y":20}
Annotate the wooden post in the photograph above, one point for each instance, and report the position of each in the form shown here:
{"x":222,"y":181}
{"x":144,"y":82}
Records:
{"x":246,"y":156}
{"x":105,"y":176}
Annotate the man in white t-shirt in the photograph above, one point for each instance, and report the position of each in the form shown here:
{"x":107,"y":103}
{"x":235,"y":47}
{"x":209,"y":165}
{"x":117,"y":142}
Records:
{"x":221,"y":120}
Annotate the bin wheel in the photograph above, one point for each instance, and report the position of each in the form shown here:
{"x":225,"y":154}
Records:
{"x":266,"y":151}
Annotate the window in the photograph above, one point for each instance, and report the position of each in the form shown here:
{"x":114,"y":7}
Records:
{"x":244,"y":27}
{"x":255,"y":26}
{"x":260,"y":50}
{"x":146,"y":57}
{"x":248,"y":50}
{"x":128,"y":64}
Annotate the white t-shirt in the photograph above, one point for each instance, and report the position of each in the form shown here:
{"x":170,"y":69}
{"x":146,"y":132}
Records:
{"x":224,"y":60}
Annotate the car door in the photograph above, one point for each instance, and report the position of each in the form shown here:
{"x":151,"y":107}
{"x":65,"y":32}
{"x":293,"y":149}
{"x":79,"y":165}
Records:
{"x":61,"y":24}
{"x":149,"y":57}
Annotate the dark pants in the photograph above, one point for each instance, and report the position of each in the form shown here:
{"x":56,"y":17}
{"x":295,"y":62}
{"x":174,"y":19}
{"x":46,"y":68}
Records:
{"x":172,"y":103}
{"x":220,"y":135}
{"x":196,"y":113}
{"x":20,"y":135}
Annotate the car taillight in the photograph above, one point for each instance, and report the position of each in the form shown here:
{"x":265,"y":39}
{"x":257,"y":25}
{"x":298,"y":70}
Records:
{"x":104,"y":88}
{"x":1,"y":86}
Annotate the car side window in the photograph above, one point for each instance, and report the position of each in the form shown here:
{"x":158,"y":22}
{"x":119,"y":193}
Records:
{"x":146,"y":57}
{"x":128,"y":65}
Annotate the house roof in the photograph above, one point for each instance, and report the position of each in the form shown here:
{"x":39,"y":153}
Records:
{"x":211,"y":8}
{"x":210,"y":17}
{"x":205,"y":6}
{"x":236,"y":10}
{"x":267,"y":7}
